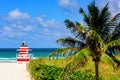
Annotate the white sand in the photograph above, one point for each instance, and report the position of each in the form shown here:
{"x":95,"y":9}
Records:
{"x":13,"y":71}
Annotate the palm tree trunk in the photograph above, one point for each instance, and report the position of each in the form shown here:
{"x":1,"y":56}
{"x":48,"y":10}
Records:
{"x":97,"y":70}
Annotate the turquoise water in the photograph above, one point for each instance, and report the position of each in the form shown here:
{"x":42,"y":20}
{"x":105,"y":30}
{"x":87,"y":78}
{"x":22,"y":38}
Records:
{"x":9,"y":54}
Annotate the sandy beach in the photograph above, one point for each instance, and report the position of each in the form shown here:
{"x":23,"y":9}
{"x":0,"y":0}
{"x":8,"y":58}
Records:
{"x":13,"y":71}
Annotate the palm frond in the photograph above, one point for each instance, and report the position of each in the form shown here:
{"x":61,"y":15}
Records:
{"x":94,"y":41}
{"x":86,"y":17}
{"x":82,"y":55}
{"x":114,"y":20}
{"x":64,"y":51}
{"x":94,"y":13}
{"x":95,"y":35}
{"x":107,"y":59}
{"x":112,"y":44}
{"x":113,"y":57}
{"x":76,"y":28}
{"x":113,"y":50}
{"x":67,"y":42}
{"x":114,"y":35}
{"x":104,"y":18}
{"x":80,"y":59}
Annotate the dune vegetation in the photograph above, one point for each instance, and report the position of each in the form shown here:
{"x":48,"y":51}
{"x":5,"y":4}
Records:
{"x":46,"y":69}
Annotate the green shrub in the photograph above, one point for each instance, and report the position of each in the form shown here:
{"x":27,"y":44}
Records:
{"x":82,"y":76}
{"x":43,"y":72}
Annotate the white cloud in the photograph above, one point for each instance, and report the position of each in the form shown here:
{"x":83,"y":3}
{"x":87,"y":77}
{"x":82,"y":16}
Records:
{"x":40,"y":28}
{"x":17,"y":16}
{"x":64,"y":2}
{"x":114,"y":5}
{"x":14,"y":32}
{"x":18,"y":25}
{"x":6,"y":31}
{"x":49,"y":23}
{"x":51,"y":28}
{"x":28,"y":28}
{"x":68,"y":5}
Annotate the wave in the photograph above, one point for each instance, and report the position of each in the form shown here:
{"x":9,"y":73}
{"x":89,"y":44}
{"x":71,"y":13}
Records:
{"x":11,"y":59}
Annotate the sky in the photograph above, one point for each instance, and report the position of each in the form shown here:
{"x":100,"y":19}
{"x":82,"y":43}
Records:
{"x":41,"y":22}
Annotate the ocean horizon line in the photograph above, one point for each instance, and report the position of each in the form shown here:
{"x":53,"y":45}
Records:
{"x":29,"y":47}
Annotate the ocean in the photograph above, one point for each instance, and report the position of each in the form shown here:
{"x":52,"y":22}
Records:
{"x":9,"y":54}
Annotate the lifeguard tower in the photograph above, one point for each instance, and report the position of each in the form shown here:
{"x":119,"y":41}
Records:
{"x":23,"y":56}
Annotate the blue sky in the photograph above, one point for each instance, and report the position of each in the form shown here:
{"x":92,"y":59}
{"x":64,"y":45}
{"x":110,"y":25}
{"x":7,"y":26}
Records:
{"x":41,"y":22}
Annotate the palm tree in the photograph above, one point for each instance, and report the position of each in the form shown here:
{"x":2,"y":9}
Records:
{"x":99,"y":37}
